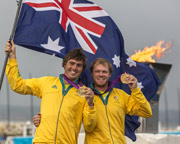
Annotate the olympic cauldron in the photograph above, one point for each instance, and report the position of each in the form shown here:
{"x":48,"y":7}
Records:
{"x":150,"y":125}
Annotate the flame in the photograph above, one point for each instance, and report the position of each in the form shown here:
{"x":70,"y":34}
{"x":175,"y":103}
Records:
{"x":147,"y":54}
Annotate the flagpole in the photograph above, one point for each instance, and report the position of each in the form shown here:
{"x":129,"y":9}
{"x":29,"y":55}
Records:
{"x":31,"y":102}
{"x":11,"y":38}
{"x":8,"y":104}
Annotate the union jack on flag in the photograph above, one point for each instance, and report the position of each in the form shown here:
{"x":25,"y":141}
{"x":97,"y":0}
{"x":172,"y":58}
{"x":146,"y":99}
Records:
{"x":56,"y":26}
{"x":78,"y":15}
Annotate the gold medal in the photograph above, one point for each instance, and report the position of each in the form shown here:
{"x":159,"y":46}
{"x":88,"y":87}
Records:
{"x":81,"y":91}
{"x":124,"y":78}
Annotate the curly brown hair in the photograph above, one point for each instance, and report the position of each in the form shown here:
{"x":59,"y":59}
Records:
{"x":76,"y":54}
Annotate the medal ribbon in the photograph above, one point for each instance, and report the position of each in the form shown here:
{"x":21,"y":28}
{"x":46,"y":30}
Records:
{"x":111,"y":85}
{"x":72,"y":83}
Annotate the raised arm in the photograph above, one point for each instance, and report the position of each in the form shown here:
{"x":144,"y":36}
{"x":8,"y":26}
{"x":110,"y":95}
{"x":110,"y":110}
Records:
{"x":137,"y":103}
{"x":16,"y":82}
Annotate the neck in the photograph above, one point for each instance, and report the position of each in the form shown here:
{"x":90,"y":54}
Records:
{"x":103,"y":88}
{"x":66,"y":79}
{"x":66,"y":82}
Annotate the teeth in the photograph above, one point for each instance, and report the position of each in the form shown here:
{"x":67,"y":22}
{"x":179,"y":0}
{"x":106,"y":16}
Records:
{"x":73,"y":72}
{"x":100,"y":78}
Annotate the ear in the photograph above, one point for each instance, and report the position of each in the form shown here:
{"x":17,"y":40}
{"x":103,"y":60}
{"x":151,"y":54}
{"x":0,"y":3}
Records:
{"x":110,"y":75}
{"x":64,"y":65}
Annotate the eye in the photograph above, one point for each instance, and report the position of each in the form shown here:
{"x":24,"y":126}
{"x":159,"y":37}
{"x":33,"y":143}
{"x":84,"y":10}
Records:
{"x":72,"y":63}
{"x":96,"y":71}
{"x":105,"y":72}
{"x":79,"y":65}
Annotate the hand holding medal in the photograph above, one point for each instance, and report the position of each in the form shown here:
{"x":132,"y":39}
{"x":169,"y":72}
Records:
{"x":87,"y":93}
{"x":124,"y":77}
{"x":129,"y":79}
{"x":81,"y":91}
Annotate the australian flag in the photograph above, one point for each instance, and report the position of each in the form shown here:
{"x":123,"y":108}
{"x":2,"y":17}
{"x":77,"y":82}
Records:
{"x":56,"y":26}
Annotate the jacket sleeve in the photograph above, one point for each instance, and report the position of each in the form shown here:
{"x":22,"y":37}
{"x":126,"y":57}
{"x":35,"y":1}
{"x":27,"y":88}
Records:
{"x":89,"y":118}
{"x":137,"y":104}
{"x":19,"y":85}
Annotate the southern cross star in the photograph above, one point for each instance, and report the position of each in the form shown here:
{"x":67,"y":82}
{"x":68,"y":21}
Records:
{"x":140,"y":85}
{"x":116,"y":61}
{"x":130,"y":62}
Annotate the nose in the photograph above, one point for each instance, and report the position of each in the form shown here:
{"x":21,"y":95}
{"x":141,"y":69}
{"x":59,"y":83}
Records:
{"x":100,"y":73}
{"x":74,"y":66}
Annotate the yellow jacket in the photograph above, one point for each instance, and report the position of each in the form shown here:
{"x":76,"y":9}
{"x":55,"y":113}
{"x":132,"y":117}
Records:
{"x":110,"y":122}
{"x":62,"y":111}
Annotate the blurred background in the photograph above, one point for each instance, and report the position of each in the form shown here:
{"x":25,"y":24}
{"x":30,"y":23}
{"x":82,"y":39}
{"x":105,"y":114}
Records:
{"x":142,"y":23}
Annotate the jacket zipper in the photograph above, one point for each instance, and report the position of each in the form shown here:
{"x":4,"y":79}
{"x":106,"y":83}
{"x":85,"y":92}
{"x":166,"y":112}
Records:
{"x":58,"y":117}
{"x":108,"y":121}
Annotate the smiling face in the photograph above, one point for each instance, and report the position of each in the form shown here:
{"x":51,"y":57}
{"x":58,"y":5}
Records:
{"x":73,"y":69}
{"x":101,"y":76}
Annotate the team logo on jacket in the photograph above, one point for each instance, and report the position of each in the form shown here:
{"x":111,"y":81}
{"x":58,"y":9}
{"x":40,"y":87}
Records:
{"x":54,"y":86}
{"x":116,"y":99}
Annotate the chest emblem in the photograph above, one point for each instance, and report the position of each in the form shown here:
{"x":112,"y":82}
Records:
{"x":116,"y":99}
{"x":54,"y":86}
